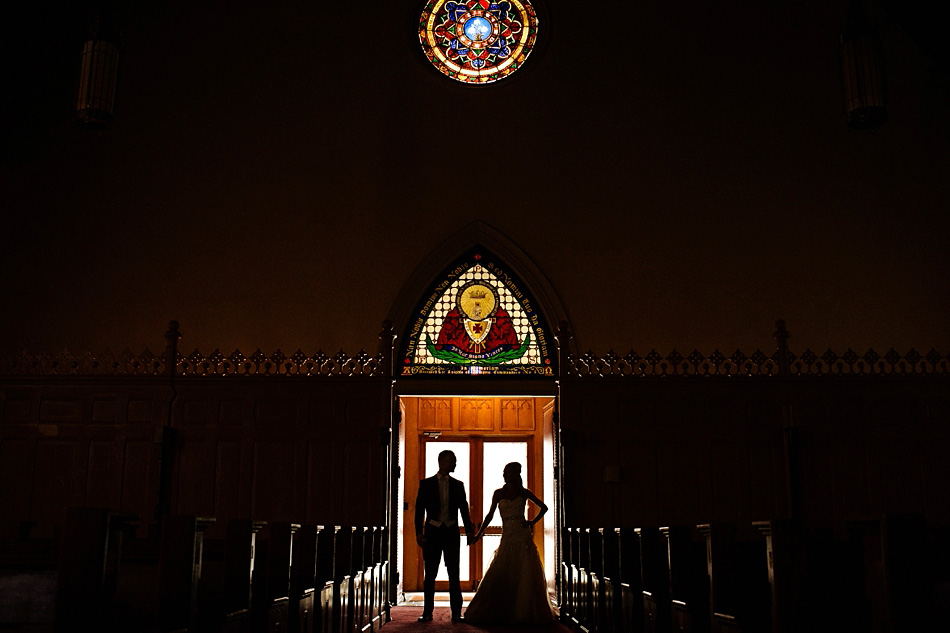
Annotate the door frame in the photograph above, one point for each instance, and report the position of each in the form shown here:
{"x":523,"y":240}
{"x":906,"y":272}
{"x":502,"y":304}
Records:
{"x":408,"y":463}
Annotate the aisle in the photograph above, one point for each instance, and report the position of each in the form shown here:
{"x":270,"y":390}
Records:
{"x":404,"y":621}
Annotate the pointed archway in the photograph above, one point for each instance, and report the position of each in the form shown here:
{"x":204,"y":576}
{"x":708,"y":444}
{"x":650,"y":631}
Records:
{"x":450,"y":265}
{"x":475,"y":365}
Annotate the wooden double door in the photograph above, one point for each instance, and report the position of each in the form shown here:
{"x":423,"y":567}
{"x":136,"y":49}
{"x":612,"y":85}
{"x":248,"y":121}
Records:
{"x":481,"y":457}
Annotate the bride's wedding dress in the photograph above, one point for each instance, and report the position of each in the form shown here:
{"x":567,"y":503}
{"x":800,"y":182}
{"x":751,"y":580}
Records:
{"x":513,"y":590}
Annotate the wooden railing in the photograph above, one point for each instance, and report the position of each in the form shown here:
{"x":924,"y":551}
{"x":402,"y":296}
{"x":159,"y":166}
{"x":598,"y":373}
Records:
{"x":887,"y":574}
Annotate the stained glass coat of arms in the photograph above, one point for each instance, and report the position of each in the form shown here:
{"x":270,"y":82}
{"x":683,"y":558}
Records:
{"x":478,"y":41}
{"x":477,"y":320}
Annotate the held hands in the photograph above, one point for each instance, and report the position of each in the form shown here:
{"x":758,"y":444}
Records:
{"x":471,"y":540}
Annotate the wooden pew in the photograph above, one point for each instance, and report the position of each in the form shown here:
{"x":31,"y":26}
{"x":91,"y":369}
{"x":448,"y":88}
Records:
{"x":688,"y":582}
{"x":596,"y":614}
{"x":655,"y":580}
{"x":582,"y":586}
{"x":738,"y":580}
{"x":381,"y":615}
{"x":90,"y":568}
{"x":786,"y":563}
{"x":324,"y":585}
{"x":270,"y":603}
{"x":612,"y":591}
{"x":240,"y":542}
{"x":566,"y":601}
{"x":939,"y":598}
{"x":303,"y":572}
{"x":907,"y":574}
{"x":631,"y":581}
{"x":342,"y":595}
{"x":721,"y":569}
{"x":375,"y":570}
{"x":181,"y":551}
{"x":358,"y":612}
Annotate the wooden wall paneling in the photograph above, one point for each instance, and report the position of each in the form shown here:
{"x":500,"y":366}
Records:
{"x":362,"y":501}
{"x":59,"y":482}
{"x":816,"y":468}
{"x":231,"y":412}
{"x":104,"y":476}
{"x":362,"y":418}
{"x":16,"y":410}
{"x":196,"y":477}
{"x":61,"y":410}
{"x":105,"y":410}
{"x":140,"y":479}
{"x":766,"y":478}
{"x":16,"y":484}
{"x":433,"y":414}
{"x":195,"y":411}
{"x":935,"y":455}
{"x":323,"y":499}
{"x":901,"y":475}
{"x":276,"y":413}
{"x":144,"y":411}
{"x":518,"y":414}
{"x":476,"y":415}
{"x":727,"y":485}
{"x":851,"y":481}
{"x":274,"y":481}
{"x":684,"y":487}
{"x":227,"y":478}
{"x":638,"y":496}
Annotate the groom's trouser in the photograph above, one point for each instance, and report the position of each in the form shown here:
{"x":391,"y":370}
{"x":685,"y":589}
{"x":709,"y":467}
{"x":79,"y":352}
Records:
{"x":442,"y":542}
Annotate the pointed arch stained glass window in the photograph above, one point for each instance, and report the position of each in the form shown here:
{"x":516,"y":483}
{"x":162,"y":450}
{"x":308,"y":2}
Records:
{"x":478,"y":41}
{"x":477,"y":319}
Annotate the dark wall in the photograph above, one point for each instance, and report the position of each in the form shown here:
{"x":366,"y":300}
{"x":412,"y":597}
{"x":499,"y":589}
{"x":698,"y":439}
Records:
{"x":637,"y":452}
{"x":278,"y":449}
{"x":681,"y":171}
{"x":688,"y":451}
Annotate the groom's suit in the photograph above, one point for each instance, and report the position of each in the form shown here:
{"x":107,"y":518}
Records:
{"x":439,"y":525}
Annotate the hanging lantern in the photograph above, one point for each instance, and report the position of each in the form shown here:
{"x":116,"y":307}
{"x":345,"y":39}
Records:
{"x":97,"y":75}
{"x":862,"y":66}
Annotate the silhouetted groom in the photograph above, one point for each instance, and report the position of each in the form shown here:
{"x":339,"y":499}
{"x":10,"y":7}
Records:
{"x":438,"y":504}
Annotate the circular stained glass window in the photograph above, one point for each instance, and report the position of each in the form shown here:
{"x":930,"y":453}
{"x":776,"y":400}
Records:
{"x":478,"y":41}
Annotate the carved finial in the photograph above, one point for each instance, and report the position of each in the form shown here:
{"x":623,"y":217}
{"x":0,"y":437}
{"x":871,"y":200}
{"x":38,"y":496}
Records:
{"x":387,"y":338}
{"x":564,"y":331}
{"x":781,"y":336}
{"x":563,"y":337}
{"x":172,"y":336}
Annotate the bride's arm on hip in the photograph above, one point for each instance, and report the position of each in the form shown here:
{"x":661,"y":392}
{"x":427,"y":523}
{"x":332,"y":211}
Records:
{"x":542,"y":508}
{"x":488,"y":517}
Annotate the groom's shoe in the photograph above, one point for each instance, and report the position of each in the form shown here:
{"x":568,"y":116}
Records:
{"x":457,"y":617}
{"x":425,"y":617}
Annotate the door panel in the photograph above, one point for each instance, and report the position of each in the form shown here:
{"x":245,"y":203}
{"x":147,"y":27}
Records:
{"x":463,"y":469}
{"x":477,"y":460}
{"x":495,"y":454}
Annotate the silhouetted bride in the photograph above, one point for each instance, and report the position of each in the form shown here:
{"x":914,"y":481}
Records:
{"x":513,"y":590}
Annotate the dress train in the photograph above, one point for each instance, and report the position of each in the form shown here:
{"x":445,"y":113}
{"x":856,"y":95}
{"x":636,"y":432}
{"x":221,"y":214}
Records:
{"x":514,"y":590}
